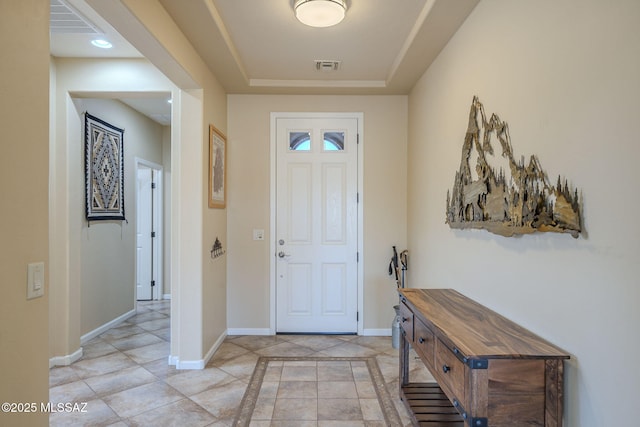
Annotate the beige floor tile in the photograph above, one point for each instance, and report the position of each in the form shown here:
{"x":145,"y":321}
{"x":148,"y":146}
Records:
{"x":296,"y":409}
{"x":196,"y":381}
{"x":297,"y":423}
{"x":75,"y":392}
{"x":360,"y":371}
{"x":379,"y":344}
{"x":371,"y":410}
{"x":254,"y":343}
{"x":97,"y":413}
{"x":337,"y":390}
{"x":164,"y":333}
{"x":263,"y":409}
{"x":316,"y":342}
{"x":161,"y":368}
{"x":228,"y":351}
{"x":339,"y":409}
{"x":334,"y":423}
{"x":115,"y":382}
{"x":149,"y":353}
{"x":147,"y":316}
{"x":349,"y":349}
{"x":137,"y":400}
{"x":297,"y":389}
{"x":365,"y":390}
{"x":273,"y":372}
{"x":240,"y":367}
{"x":62,"y":375}
{"x":181,"y":413}
{"x":222,"y":402}
{"x":269,"y":389}
{"x":125,"y":330}
{"x":154,"y":325}
{"x":135,"y":341}
{"x":334,"y":371}
{"x":96,"y":348}
{"x":299,"y":373}
{"x":102,"y":365}
{"x":285,"y":349}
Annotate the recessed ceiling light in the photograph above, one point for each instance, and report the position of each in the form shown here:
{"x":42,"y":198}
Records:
{"x":102,"y":44}
{"x":170,"y":101}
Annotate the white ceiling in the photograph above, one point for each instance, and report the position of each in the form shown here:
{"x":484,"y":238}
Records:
{"x":257,"y":46}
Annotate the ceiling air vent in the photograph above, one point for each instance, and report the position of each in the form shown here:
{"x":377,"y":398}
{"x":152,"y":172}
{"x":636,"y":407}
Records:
{"x":324,"y":65}
{"x":64,"y":19}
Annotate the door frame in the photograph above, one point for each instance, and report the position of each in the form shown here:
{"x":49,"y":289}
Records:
{"x":359,"y":117}
{"x":158,"y":244}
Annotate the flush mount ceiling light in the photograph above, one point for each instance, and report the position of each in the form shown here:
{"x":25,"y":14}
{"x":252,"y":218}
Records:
{"x":320,"y":13}
{"x":102,"y":44}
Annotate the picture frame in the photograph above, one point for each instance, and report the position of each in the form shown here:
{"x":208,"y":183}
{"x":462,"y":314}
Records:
{"x":217,"y":168}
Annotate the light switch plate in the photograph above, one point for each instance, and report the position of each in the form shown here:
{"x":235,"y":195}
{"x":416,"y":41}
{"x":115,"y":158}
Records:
{"x":258,"y":234}
{"x":35,"y":280}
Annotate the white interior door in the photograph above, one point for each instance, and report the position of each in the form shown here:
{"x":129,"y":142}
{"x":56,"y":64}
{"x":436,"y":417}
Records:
{"x":144,"y":228}
{"x":148,"y":230}
{"x":316,"y":225}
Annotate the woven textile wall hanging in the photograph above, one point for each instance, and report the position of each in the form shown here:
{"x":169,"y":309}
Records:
{"x":104,"y":170}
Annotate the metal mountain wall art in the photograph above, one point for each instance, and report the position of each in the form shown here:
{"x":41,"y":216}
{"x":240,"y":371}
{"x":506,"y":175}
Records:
{"x":519,"y":200}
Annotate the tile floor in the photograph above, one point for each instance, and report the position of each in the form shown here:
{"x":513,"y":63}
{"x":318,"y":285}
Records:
{"x":125,"y":380}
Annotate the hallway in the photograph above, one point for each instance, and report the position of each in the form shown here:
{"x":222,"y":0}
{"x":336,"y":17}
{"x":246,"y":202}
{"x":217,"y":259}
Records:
{"x":125,"y":380}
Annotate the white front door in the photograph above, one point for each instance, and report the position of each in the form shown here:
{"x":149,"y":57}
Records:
{"x":316,"y":225}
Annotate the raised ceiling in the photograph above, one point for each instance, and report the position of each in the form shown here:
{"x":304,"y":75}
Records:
{"x":258,"y":46}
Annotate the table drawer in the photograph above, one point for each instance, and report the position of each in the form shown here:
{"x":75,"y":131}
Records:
{"x":406,"y":321}
{"x":424,"y":341}
{"x":450,"y":371}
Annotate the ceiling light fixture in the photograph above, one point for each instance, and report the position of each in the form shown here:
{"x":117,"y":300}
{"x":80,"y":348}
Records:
{"x":320,"y":13}
{"x":102,"y":44}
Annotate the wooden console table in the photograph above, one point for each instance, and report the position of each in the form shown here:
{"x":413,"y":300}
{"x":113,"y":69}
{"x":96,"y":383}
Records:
{"x":490,"y":372}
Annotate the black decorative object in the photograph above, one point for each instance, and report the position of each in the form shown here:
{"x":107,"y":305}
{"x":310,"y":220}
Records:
{"x":217,"y":249}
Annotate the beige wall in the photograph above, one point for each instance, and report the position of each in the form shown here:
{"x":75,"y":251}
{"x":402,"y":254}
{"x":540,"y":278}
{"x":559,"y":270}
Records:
{"x":107,"y":248}
{"x":214,"y":291}
{"x":24,"y":169}
{"x":564,"y":76}
{"x":384,"y":198}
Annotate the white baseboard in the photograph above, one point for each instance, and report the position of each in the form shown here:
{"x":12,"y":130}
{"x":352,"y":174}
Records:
{"x":65,"y":360}
{"x":384,"y":332}
{"x":198,"y":364}
{"x":166,"y":296}
{"x":250,"y":331}
{"x":104,"y":328}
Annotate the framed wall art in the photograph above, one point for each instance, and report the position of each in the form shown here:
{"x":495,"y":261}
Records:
{"x":217,"y":168}
{"x":104,"y":170}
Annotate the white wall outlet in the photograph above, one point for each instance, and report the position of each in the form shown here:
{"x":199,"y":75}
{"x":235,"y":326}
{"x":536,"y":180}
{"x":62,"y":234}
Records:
{"x":35,"y":280}
{"x":258,"y":234}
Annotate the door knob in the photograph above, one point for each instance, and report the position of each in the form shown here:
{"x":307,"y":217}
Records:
{"x":281,"y":254}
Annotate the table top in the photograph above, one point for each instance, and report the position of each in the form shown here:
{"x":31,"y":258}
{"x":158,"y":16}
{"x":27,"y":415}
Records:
{"x":474,"y":329}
